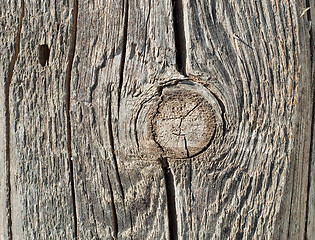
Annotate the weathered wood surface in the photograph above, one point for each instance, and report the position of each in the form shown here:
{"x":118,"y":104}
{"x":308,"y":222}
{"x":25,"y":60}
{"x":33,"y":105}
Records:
{"x":11,"y":15}
{"x":41,"y":203}
{"x":256,"y":57}
{"x":84,"y":150}
{"x":310,"y":230}
{"x":10,"y":18}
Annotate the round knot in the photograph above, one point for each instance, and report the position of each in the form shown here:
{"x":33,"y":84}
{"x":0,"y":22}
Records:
{"x":184,"y":122}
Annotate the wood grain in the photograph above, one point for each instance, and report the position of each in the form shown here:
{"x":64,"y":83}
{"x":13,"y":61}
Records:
{"x":41,"y":199}
{"x":117,"y":195}
{"x":256,"y":58}
{"x":96,"y":66}
{"x":310,"y":224}
{"x":89,"y":120}
{"x":11,"y":15}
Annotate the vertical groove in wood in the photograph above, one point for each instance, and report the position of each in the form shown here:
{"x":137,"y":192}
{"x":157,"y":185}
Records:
{"x":170,"y":199}
{"x":112,"y":143}
{"x":310,"y":204}
{"x":179,"y":35}
{"x":310,"y":223}
{"x":7,"y":119}
{"x":123,"y":51}
{"x":73,"y":39}
{"x":114,"y":213}
{"x":112,"y":147}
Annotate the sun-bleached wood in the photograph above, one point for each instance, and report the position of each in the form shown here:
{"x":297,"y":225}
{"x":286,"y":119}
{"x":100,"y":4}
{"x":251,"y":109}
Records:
{"x":41,"y":199}
{"x":117,"y":197}
{"x":96,"y":93}
{"x":257,"y":59}
{"x":310,"y":227}
{"x":10,"y":20}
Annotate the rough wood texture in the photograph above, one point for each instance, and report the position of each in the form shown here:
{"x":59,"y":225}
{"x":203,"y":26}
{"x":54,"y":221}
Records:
{"x":40,"y":183}
{"x":256,"y":58}
{"x":157,"y":119}
{"x":117,"y":197}
{"x":11,"y":15}
{"x":310,"y":224}
{"x":183,"y":122}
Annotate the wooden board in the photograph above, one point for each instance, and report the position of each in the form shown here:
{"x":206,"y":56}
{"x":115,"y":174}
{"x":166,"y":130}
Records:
{"x":40,"y":183}
{"x":117,"y":195}
{"x":157,"y":119}
{"x":10,"y":21}
{"x":254,"y":57}
{"x":310,"y":223}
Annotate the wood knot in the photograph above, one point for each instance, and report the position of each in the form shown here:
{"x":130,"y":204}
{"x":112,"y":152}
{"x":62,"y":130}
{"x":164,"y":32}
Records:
{"x":183,"y":122}
{"x":176,"y":119}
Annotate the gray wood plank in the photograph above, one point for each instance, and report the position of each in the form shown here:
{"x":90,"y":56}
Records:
{"x":157,"y":119}
{"x":251,"y":182}
{"x":96,"y":65}
{"x":150,"y":60}
{"x":10,"y":15}
{"x":123,"y":48}
{"x":42,"y":202}
{"x":310,"y":15}
{"x":295,"y":200}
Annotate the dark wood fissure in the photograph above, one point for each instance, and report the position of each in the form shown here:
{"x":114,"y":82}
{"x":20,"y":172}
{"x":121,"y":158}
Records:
{"x":68,"y":95}
{"x":146,"y":31}
{"x":112,"y":144}
{"x":7,"y":120}
{"x":170,"y":195}
{"x":114,"y":213}
{"x":123,"y":51}
{"x":180,"y":40}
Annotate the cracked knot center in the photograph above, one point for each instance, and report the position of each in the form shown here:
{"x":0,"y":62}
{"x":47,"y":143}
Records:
{"x":183,"y":124}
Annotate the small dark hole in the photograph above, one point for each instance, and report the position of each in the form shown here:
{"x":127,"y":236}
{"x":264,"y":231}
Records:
{"x":43,"y":54}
